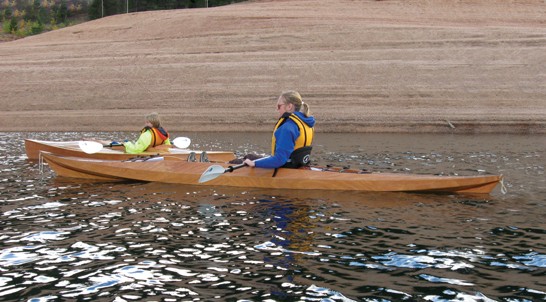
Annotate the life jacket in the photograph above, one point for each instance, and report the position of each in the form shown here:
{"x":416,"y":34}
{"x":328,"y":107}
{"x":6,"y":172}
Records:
{"x":300,"y":156}
{"x":159,"y":136}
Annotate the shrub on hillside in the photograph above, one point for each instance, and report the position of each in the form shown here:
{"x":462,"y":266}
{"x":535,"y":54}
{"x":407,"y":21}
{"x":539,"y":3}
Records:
{"x":32,"y":17}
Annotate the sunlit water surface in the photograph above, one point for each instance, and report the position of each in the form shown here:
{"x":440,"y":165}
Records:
{"x":69,"y":240}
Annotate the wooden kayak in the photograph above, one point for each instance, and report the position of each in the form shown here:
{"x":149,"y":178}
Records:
{"x":71,"y":148}
{"x":182,"y":172}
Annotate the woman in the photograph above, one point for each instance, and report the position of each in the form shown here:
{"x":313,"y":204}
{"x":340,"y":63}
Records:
{"x":292,"y":136}
{"x":152,"y":135}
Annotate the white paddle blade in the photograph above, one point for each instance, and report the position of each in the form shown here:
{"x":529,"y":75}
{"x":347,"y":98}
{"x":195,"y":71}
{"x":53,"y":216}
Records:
{"x":90,"y":147}
{"x":182,"y":142}
{"x":211,"y":173}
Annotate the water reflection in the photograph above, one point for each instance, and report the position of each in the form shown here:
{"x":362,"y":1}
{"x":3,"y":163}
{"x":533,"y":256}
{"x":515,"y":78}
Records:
{"x":75,"y":240}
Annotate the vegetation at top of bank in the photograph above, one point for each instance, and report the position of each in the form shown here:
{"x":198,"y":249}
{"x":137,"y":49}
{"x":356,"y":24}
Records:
{"x":21,"y":18}
{"x":102,"y":8}
{"x":30,"y":17}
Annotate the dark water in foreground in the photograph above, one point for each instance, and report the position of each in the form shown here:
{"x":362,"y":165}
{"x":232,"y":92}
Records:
{"x":64,"y":240}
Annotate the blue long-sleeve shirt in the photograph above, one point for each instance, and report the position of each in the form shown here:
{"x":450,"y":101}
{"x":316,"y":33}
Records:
{"x":285,"y":138}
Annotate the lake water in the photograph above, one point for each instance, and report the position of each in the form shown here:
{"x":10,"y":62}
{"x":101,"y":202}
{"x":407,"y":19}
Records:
{"x":71,"y":240}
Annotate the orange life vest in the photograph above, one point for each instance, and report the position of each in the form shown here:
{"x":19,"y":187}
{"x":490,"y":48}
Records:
{"x":159,"y":136}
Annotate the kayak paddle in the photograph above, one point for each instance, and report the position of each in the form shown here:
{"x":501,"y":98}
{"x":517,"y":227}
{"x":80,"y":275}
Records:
{"x":181,"y":142}
{"x":216,"y":170}
{"x":90,"y":147}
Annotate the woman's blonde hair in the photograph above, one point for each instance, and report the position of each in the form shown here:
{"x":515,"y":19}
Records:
{"x":153,"y":118}
{"x":294,"y":98}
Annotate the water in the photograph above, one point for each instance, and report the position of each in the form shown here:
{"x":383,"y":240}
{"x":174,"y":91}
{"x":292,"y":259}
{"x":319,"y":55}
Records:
{"x":66,"y":240}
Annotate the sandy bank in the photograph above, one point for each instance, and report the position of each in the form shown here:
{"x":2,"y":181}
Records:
{"x":364,"y":66}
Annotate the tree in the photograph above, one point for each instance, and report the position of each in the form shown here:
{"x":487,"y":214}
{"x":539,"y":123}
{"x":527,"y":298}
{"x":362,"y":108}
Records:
{"x":95,"y":10}
{"x":43,"y":15}
{"x":13,"y":27}
{"x":34,"y":13}
{"x":62,"y":12}
{"x":7,"y":14}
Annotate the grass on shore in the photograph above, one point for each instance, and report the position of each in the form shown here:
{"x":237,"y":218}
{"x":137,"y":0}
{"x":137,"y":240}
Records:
{"x":7,"y":37}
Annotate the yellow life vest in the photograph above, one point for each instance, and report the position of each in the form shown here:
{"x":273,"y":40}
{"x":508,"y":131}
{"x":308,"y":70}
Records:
{"x":306,"y":133}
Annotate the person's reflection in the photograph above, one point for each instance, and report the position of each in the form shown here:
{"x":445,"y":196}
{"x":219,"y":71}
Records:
{"x":291,"y":233}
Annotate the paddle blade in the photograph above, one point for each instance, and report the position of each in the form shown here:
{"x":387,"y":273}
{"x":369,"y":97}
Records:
{"x":211,"y":173}
{"x":181,"y":142}
{"x":90,"y":147}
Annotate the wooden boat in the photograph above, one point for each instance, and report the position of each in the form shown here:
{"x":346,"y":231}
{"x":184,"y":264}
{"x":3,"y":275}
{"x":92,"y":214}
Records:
{"x":71,"y":148}
{"x":174,"y":170}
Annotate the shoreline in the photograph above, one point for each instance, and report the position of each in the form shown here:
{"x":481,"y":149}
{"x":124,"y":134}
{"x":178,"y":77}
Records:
{"x":445,"y":127}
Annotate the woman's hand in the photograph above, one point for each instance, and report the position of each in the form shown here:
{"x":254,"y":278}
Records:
{"x":249,"y":162}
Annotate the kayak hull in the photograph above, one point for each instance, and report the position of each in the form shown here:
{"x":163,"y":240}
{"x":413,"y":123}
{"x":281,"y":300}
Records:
{"x":183,"y":172}
{"x":71,"y":148}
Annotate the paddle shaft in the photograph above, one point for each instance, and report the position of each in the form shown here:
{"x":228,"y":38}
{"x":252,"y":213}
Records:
{"x":231,"y":168}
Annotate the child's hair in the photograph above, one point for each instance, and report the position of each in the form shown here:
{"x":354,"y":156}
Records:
{"x":153,"y":118}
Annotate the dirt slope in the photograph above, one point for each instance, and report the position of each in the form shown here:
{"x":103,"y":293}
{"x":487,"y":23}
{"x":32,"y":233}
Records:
{"x":364,"y":66}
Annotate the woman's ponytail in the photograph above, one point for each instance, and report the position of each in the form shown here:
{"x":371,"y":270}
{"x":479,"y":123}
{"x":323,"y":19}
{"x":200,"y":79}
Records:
{"x":305,"y":109}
